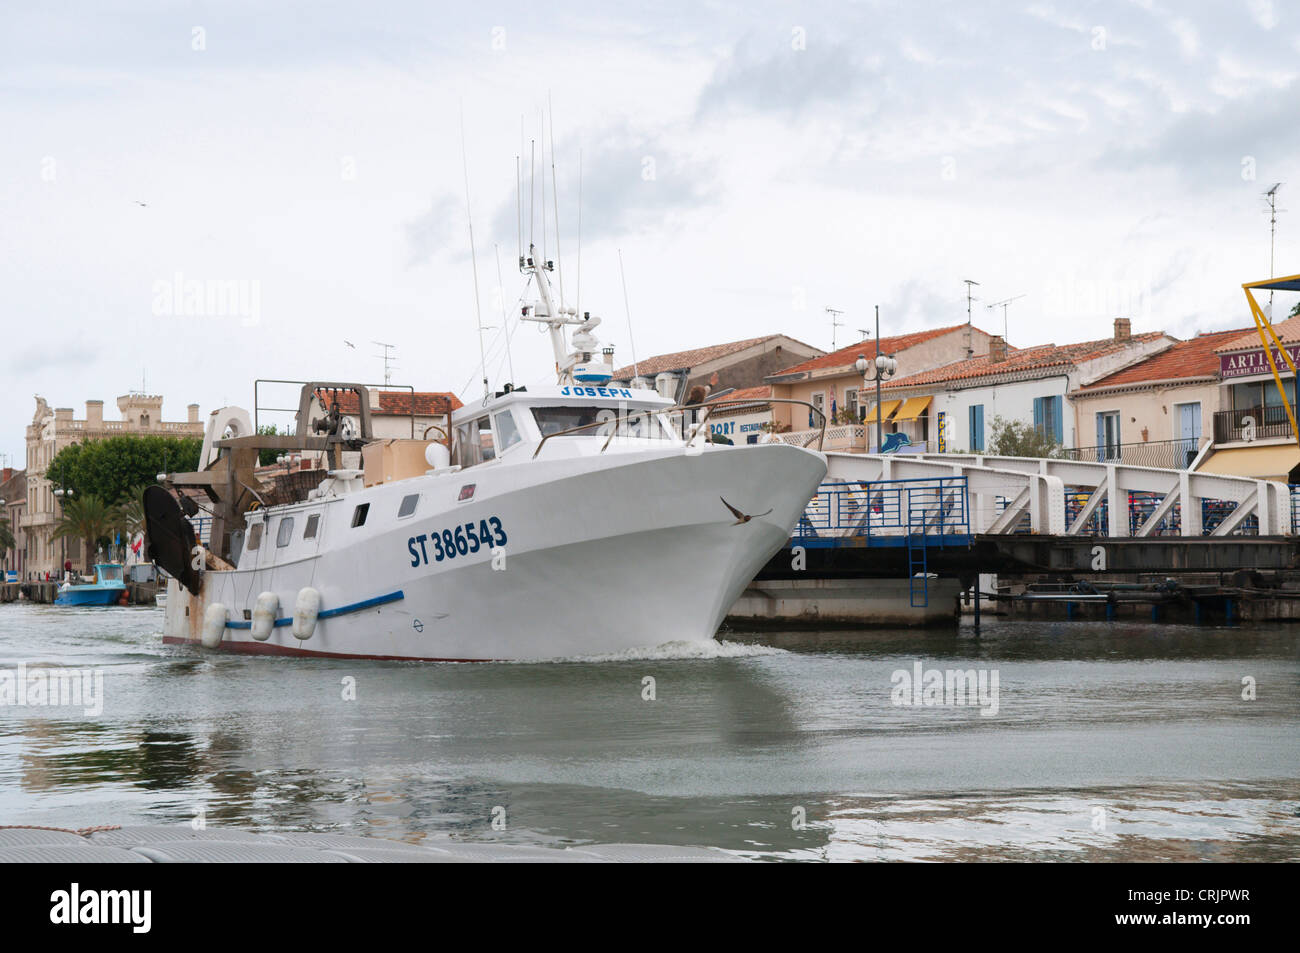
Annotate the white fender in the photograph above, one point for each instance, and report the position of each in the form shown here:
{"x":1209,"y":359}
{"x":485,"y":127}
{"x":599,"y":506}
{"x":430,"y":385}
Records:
{"x":305,"y":612}
{"x":264,"y":611}
{"x":214,"y":625}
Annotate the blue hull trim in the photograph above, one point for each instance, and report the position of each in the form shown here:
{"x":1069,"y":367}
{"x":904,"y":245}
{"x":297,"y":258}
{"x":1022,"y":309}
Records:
{"x":331,"y":613}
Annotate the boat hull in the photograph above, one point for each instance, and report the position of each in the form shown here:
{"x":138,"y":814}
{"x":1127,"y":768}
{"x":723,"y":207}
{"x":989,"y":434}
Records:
{"x":637,"y":550}
{"x":90,"y":596}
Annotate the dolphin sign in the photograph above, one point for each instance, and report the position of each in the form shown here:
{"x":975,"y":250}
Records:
{"x":893,"y":441}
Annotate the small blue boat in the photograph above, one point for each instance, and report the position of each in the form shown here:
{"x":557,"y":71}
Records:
{"x":106,"y":590}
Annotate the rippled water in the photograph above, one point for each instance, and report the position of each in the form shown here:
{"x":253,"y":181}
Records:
{"x":1110,"y":741}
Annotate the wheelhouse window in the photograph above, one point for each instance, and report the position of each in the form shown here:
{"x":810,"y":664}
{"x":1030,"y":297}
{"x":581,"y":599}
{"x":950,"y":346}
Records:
{"x":633,"y":423}
{"x":474,"y":443}
{"x":284,"y":534}
{"x":254,"y":537}
{"x":112,"y":573}
{"x":359,"y":515}
{"x":507,"y":434}
{"x":313,"y":524}
{"x":408,"y":505}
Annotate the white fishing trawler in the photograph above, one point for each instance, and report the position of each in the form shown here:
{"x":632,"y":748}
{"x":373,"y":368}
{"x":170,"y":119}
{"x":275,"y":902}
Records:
{"x":572,"y":519}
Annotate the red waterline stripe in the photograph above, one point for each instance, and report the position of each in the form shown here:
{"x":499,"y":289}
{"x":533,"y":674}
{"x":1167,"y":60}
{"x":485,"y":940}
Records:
{"x":268,"y":648}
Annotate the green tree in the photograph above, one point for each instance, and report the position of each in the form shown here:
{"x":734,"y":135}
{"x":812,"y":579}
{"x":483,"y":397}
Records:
{"x":131,"y":512}
{"x":267,"y":457}
{"x":7,"y":540}
{"x":1295,"y":310}
{"x":110,"y":469}
{"x":89,"y":519}
{"x":1016,"y":438}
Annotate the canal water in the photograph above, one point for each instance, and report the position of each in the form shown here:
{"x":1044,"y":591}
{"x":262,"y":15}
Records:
{"x":1091,"y":741}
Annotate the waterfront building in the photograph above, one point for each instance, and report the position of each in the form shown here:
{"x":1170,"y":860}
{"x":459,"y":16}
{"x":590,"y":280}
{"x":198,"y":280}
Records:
{"x":50,"y":431}
{"x":741,"y":422}
{"x":392,"y":412}
{"x":13,"y":506}
{"x":1252,"y":429}
{"x":831,"y":382}
{"x":1158,"y":412}
{"x":732,"y":366}
{"x":952,"y":408}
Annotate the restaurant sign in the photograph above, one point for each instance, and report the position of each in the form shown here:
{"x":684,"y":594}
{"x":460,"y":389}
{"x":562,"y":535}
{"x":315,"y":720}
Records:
{"x":1249,"y":363}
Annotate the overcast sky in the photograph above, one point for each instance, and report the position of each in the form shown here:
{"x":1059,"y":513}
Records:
{"x":755,"y":163}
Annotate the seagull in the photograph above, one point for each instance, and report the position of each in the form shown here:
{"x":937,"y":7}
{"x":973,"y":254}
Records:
{"x":141,"y":204}
{"x":740,"y":517}
{"x":350,"y":344}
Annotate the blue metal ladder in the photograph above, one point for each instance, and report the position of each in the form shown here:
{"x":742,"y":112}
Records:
{"x":918,"y":579}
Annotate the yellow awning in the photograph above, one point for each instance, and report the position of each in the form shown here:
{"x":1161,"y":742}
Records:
{"x":887,"y":406}
{"x":1260,"y":463}
{"x":914,"y":408}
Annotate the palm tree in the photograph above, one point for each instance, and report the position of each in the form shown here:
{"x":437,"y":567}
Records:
{"x":89,"y":519}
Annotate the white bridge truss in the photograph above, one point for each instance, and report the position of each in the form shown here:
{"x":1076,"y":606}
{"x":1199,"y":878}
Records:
{"x":1070,"y":497}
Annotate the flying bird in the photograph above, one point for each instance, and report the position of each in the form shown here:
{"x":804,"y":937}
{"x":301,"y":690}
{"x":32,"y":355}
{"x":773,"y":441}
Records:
{"x":741,"y":517}
{"x":141,"y":204}
{"x":350,"y":344}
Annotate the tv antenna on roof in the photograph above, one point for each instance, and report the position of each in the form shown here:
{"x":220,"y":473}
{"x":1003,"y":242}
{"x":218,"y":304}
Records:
{"x":389,"y":362}
{"x":1003,"y":305}
{"x":1271,"y":197}
{"x":970,"y":283}
{"x":835,"y":322}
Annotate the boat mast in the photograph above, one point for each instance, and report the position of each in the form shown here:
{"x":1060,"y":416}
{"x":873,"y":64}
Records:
{"x":570,"y":366}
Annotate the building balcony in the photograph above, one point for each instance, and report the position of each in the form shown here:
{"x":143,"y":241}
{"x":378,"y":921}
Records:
{"x":1169,"y":454}
{"x":1252,"y":424}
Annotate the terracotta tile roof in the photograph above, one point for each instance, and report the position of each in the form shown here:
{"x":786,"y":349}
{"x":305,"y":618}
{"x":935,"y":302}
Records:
{"x":746,"y":393}
{"x":1042,"y":357}
{"x":397,"y":402}
{"x":693,"y":358}
{"x":1288,"y":332}
{"x":1196,"y":358}
{"x":845,"y":356}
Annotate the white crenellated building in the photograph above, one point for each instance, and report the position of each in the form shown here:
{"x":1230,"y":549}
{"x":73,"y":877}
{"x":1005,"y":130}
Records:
{"x":50,"y":431}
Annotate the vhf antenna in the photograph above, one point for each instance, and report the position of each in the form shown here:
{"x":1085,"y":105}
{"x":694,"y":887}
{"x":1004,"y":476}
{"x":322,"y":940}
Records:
{"x":389,"y":363}
{"x":1271,"y":196}
{"x":835,"y":323}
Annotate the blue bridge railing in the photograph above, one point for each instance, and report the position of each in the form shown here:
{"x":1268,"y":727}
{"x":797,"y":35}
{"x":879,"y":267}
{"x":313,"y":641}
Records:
{"x":886,"y":512}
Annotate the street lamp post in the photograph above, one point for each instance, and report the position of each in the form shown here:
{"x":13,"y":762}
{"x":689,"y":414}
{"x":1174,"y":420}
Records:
{"x":884,"y":366}
{"x":62,"y":492}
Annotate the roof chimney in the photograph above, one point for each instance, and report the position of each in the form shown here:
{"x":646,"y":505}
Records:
{"x":1123,"y":329}
{"x":997,"y":349}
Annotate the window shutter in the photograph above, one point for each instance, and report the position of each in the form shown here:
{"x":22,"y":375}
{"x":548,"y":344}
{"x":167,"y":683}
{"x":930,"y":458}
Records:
{"x":1058,"y":430}
{"x":1101,"y":436}
{"x":1038,"y":414}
